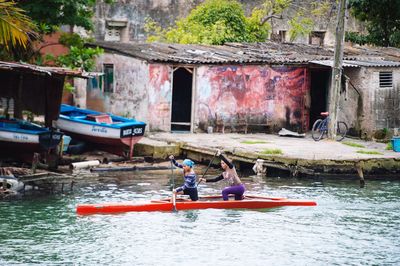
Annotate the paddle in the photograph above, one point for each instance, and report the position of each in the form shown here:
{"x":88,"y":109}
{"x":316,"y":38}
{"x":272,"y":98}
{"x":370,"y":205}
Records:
{"x":208,"y":167}
{"x":173,"y":188}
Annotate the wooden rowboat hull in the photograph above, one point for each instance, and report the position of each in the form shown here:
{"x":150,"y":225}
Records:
{"x":206,"y":202}
{"x":20,"y":138}
{"x":111,"y":133}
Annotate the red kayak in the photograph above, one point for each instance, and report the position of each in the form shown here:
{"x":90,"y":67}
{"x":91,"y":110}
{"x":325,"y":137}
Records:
{"x":204,"y":202}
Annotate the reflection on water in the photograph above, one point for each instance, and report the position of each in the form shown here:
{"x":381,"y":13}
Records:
{"x":350,"y":226}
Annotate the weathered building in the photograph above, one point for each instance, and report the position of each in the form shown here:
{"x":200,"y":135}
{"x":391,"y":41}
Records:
{"x":124,"y":20}
{"x":262,"y":87}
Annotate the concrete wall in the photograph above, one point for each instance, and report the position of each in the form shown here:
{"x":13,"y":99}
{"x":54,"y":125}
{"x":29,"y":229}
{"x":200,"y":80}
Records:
{"x":376,"y":108}
{"x":351,"y":105}
{"x":327,"y":23}
{"x":131,"y":83}
{"x":272,"y":96}
{"x":386,"y":103}
{"x":166,"y":12}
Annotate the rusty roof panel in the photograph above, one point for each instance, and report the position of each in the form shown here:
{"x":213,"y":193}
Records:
{"x":23,"y":67}
{"x":242,"y":53}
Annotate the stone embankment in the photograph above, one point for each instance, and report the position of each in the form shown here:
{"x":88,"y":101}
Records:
{"x":297,"y":156}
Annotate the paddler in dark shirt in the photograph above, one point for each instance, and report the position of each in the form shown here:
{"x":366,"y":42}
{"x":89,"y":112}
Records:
{"x":235,"y":185}
{"x":190,"y":185}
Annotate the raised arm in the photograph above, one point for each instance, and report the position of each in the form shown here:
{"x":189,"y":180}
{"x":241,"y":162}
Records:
{"x":171,"y":157}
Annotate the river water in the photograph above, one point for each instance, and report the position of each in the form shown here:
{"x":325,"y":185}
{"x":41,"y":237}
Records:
{"x":350,"y":226}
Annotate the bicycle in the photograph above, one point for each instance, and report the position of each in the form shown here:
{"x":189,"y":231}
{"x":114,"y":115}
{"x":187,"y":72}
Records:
{"x":320,"y":128}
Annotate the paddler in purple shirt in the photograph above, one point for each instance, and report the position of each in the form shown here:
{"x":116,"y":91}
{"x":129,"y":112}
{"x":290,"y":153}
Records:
{"x":235,"y":185}
{"x":190,"y":185}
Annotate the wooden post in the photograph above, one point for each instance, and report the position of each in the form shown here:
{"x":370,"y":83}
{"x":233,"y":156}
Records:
{"x":358,"y":166}
{"x":131,"y":149}
{"x":18,"y":99}
{"x":336,"y":71}
{"x":35,"y":162}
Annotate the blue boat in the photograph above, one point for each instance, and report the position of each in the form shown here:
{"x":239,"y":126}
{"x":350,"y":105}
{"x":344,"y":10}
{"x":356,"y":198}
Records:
{"x":19,"y":137}
{"x":108,"y":132}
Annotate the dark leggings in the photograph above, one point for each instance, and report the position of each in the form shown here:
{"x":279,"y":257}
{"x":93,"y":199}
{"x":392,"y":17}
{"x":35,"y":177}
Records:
{"x":192,"y":192}
{"x":237,"y":190}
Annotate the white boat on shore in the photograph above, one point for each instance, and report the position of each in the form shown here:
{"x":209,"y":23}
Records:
{"x":111,"y":133}
{"x":22,"y":138}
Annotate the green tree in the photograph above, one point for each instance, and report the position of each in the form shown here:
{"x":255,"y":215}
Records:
{"x":52,"y":14}
{"x":212,"y":22}
{"x":382,"y":19}
{"x":221,"y":21}
{"x":49,"y":15}
{"x":79,"y":56}
{"x":16,"y":27}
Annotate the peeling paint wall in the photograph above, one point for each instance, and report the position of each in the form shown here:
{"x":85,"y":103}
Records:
{"x":275,"y":97}
{"x":377,"y":108}
{"x":386,"y":104}
{"x":130,"y":96}
{"x":269,"y":97}
{"x":351,"y":107}
{"x":160,"y":97}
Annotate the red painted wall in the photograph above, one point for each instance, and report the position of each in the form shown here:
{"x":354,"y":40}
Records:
{"x":273,"y":96}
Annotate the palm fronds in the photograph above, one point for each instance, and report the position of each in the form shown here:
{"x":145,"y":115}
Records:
{"x":16,"y":27}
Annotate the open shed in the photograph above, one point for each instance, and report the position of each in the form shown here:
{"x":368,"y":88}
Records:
{"x":34,"y":88}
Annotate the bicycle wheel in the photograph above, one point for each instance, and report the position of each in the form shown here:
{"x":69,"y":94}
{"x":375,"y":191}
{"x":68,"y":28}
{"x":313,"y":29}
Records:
{"x":341,"y":131}
{"x":316,"y":131}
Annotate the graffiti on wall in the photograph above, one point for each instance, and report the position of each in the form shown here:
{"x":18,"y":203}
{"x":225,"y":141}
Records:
{"x":275,"y":96}
{"x":160,"y":97}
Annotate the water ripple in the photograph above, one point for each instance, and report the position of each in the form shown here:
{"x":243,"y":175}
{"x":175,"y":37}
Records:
{"x":350,"y":226}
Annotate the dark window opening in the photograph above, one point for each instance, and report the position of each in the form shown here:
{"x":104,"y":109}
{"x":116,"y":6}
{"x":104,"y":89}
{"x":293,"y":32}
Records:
{"x":317,"y":38}
{"x":108,"y":78}
{"x":385,"y":79}
{"x":181,"y":100}
{"x":282,"y":36}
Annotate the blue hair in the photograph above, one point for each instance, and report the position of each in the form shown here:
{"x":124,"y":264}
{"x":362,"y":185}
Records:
{"x":188,"y":162}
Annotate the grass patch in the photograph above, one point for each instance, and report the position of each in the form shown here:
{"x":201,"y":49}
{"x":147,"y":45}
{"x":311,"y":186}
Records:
{"x":389,"y":146}
{"x":369,"y":152}
{"x":353,"y":144}
{"x":272,"y":151}
{"x":253,"y":141}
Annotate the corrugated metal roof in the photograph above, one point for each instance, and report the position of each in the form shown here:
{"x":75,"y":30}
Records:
{"x":250,"y":53}
{"x":358,"y":63}
{"x":236,"y":53}
{"x":377,"y":63}
{"x":23,"y":67}
{"x":329,"y":63}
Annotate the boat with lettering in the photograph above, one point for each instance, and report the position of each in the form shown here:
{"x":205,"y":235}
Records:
{"x":204,"y":202}
{"x":108,"y":132}
{"x":20,"y":137}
